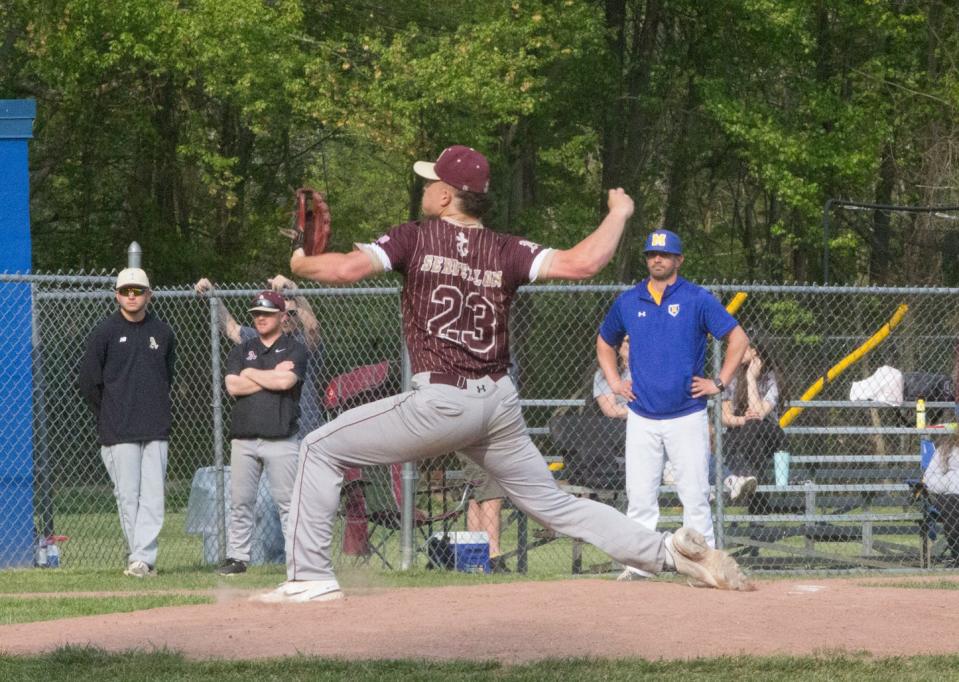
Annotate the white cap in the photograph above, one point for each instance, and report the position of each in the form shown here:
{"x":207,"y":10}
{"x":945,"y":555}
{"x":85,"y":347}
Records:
{"x":132,"y":277}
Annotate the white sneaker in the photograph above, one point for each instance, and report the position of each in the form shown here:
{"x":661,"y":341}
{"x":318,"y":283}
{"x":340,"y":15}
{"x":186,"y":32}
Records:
{"x":140,"y":569}
{"x":630,"y":574}
{"x":301,"y":592}
{"x":692,"y":557}
{"x":740,"y":486}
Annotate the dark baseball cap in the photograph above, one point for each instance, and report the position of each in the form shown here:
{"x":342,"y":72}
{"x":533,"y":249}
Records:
{"x":461,"y":167}
{"x":664,"y":241}
{"x":268,"y":302}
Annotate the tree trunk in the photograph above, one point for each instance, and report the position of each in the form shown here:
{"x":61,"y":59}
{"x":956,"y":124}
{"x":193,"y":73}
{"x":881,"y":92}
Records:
{"x":681,"y":168}
{"x":879,"y":253}
{"x":519,"y":150}
{"x":774,"y":263}
{"x":627,"y":126}
{"x":923,"y":252}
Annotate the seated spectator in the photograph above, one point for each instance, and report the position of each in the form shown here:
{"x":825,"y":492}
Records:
{"x":752,"y":434}
{"x":612,"y":404}
{"x":942,"y":481}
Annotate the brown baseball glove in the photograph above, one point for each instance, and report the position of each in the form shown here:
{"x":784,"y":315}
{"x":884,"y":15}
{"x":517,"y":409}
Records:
{"x":311,"y":222}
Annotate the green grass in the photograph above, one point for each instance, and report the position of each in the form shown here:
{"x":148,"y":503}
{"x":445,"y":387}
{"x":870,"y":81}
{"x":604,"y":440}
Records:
{"x":97,"y":542}
{"x":19,"y":610}
{"x":917,"y":584}
{"x":79,"y":664}
{"x":66,"y":580}
{"x":102,"y":580}
{"x":88,"y":515}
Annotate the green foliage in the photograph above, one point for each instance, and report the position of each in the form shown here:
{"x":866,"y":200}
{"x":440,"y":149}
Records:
{"x":788,"y":316}
{"x":185,"y":125}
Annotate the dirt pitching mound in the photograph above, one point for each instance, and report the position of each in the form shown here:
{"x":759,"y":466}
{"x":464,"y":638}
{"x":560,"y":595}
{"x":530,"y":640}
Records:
{"x":520,"y":622}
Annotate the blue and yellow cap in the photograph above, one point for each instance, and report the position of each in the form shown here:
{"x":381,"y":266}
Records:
{"x":664,"y":241}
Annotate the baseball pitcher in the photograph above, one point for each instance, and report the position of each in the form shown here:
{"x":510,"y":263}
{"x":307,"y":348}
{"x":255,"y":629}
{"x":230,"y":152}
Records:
{"x":460,"y":279}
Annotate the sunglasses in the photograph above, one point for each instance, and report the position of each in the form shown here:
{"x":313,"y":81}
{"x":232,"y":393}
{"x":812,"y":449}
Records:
{"x":263,"y":313}
{"x":131,"y":291}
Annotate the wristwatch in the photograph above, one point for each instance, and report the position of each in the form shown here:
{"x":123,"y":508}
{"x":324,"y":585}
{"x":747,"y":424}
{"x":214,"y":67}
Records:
{"x":719,"y":383}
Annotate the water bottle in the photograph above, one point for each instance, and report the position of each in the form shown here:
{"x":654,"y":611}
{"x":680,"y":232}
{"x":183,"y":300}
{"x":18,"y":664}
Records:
{"x":53,"y":556}
{"x":920,"y":413}
{"x":42,"y":553}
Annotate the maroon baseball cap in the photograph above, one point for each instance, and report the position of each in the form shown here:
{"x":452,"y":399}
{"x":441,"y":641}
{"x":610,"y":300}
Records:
{"x":268,"y":302}
{"x":461,"y":167}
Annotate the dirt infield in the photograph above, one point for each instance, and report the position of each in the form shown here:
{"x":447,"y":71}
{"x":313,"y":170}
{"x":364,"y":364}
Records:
{"x":521,"y":622}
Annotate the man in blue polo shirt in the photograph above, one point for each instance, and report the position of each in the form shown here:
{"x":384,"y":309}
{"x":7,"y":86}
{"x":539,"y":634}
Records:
{"x":668,"y":321}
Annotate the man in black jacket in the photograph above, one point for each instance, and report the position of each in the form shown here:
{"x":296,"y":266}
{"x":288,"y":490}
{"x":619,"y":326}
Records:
{"x":125,"y":377}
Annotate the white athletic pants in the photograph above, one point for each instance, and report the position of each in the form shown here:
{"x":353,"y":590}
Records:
{"x":483,"y":422}
{"x":249,"y":458}
{"x":685,"y":441}
{"x":137,"y":471}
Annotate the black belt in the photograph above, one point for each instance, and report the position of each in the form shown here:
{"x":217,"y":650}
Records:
{"x":457,"y":380}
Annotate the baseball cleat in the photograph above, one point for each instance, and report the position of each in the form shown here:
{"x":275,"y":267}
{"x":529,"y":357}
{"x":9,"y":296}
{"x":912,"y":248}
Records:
{"x":711,"y":567}
{"x":302,"y":592}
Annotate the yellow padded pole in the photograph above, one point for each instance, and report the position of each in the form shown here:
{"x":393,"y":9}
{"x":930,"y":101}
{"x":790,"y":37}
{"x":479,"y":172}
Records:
{"x":845,"y":363}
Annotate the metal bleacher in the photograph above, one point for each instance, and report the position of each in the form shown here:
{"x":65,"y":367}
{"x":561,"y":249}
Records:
{"x":862,"y":507}
{"x":839,"y":511}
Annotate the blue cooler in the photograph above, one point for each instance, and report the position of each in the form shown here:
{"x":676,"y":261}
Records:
{"x":470,"y":550}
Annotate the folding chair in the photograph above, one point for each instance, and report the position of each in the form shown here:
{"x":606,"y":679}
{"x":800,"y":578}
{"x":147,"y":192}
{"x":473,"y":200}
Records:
{"x":438,"y":504}
{"x":372,"y":498}
{"x":360,"y":385}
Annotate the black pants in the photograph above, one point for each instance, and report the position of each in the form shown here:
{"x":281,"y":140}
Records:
{"x":949,"y":516}
{"x":748,"y":451}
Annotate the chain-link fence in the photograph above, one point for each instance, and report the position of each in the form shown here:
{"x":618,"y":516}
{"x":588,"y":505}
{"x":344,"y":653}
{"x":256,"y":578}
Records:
{"x":857,"y":486}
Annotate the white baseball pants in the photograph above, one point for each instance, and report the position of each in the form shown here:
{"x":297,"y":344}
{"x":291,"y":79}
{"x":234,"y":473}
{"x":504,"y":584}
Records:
{"x":685,"y":441}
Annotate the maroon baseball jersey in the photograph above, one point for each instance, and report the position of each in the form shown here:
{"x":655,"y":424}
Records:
{"x":459,"y":286}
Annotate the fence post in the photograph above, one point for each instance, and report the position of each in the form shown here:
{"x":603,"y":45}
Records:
{"x":719,"y":527}
{"x":134,"y":255}
{"x":217,"y":406}
{"x":410,"y":474}
{"x":44,"y":482}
